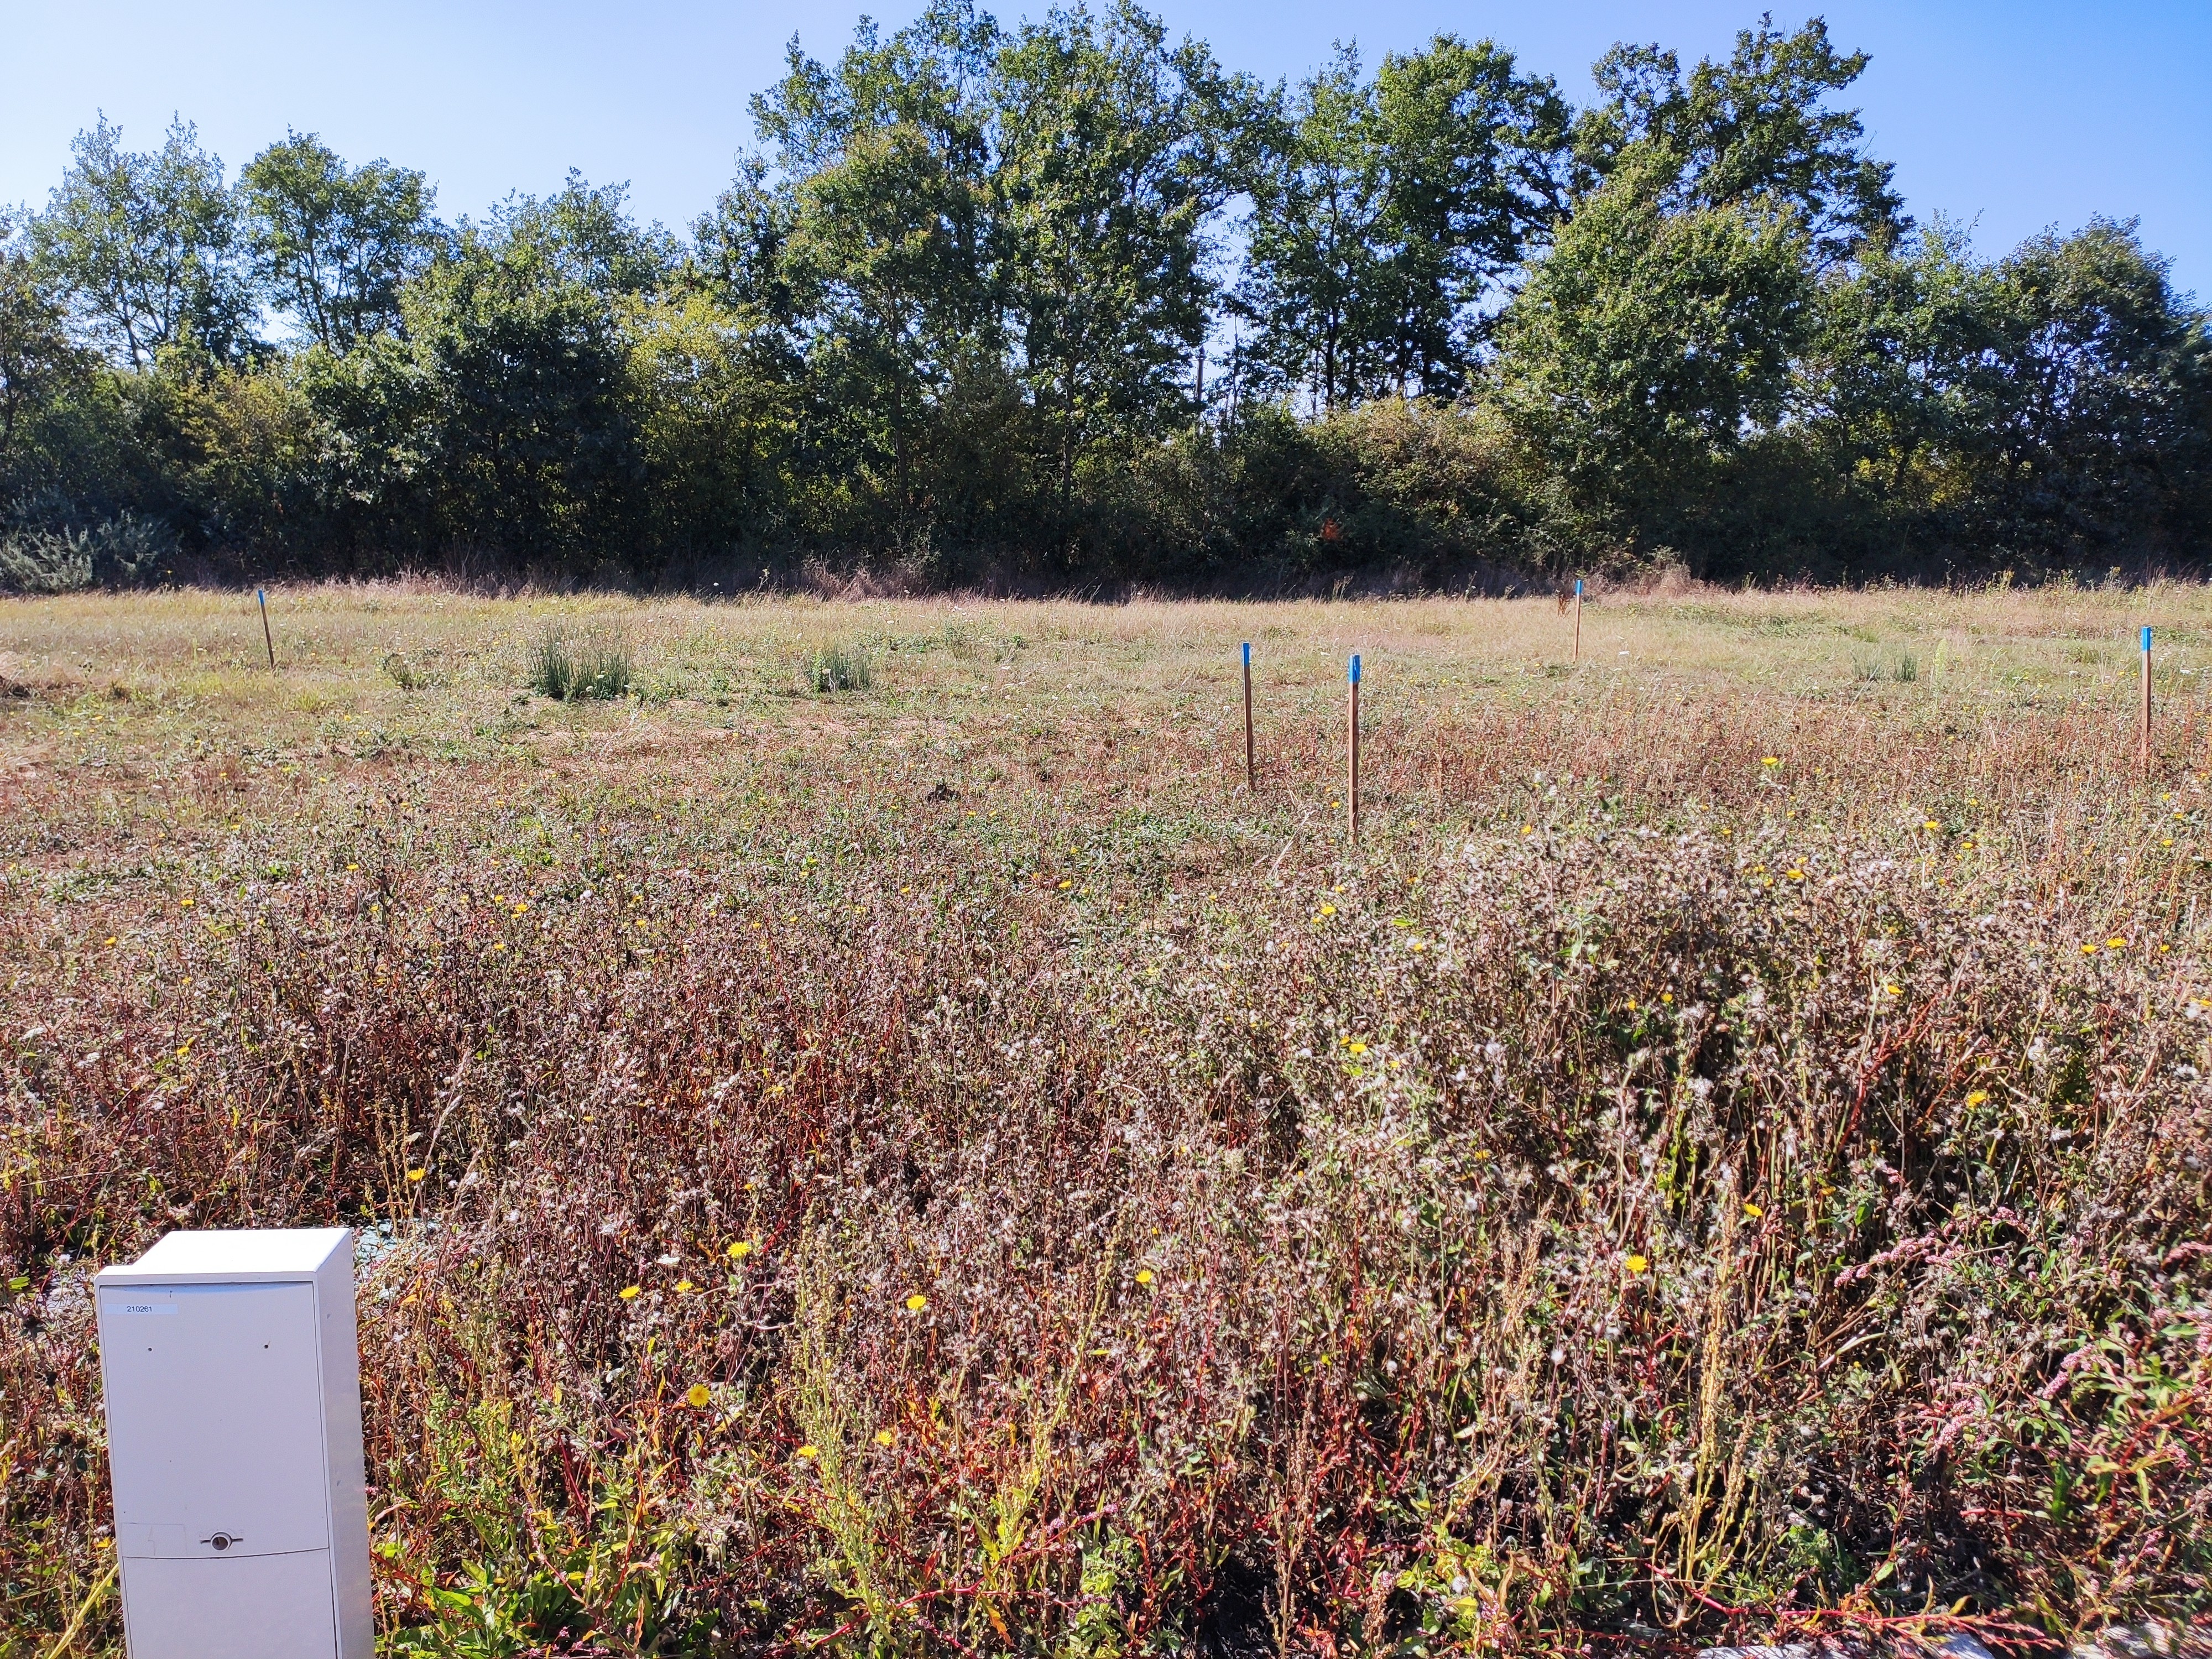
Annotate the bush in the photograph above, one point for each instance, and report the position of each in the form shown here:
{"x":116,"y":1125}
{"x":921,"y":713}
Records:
{"x":116,"y":552}
{"x":567,"y":666}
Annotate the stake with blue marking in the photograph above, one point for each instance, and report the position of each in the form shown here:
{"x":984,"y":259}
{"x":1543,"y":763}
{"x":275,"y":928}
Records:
{"x":267,"y":638}
{"x":2142,"y":735}
{"x":1578,"y":619}
{"x":1352,"y":775}
{"x":1251,"y":768}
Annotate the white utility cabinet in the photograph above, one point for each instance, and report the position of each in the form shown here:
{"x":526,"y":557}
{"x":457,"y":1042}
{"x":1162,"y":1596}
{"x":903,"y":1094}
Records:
{"x":233,"y":1385}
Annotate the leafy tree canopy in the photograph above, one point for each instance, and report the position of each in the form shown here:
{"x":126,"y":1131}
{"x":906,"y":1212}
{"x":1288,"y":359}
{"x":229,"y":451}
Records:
{"x":1757,"y":125}
{"x":332,"y":244}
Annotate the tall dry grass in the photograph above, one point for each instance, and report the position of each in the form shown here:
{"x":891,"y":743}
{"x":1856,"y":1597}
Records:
{"x":945,"y":1170}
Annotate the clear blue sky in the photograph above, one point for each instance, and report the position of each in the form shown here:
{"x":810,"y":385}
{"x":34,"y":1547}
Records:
{"x":2014,"y":114}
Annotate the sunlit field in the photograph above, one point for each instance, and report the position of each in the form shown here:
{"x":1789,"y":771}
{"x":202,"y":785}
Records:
{"x":874,"y":1138}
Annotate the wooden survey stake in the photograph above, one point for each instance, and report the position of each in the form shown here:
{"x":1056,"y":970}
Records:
{"x":2143,"y":724}
{"x":1352,"y":756}
{"x":267,"y":638}
{"x":1578,"y":619}
{"x":1251,"y":768}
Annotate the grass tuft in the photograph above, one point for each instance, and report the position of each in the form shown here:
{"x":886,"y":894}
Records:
{"x":568,"y":666}
{"x":843,"y":666}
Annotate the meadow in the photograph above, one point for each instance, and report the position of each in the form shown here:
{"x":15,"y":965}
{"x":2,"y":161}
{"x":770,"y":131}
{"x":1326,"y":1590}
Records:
{"x":870,"y":1137}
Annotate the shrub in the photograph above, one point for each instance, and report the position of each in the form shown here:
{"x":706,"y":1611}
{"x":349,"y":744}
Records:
{"x":119,"y":551}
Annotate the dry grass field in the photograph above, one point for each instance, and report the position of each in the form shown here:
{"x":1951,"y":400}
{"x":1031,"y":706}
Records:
{"x":873,"y":1140}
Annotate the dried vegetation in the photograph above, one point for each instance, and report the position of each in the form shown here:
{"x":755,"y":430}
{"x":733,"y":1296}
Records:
{"x":942,"y":1169}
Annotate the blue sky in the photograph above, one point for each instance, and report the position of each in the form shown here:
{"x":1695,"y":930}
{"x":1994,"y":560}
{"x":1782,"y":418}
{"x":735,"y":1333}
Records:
{"x":2011,"y":116}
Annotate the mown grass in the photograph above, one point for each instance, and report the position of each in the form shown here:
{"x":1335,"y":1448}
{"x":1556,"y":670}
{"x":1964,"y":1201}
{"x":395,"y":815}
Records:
{"x":944,"y":1168}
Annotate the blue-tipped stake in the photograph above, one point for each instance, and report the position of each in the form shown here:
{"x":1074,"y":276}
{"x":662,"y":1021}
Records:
{"x":2142,"y":725}
{"x":1351,"y":754}
{"x":1251,"y":766}
{"x":1578,"y":619}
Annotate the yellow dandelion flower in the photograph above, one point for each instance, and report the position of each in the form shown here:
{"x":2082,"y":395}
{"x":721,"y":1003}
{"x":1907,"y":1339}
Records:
{"x":111,"y":939}
{"x":2115,"y":944}
{"x":1357,"y":1048}
{"x":1770,"y":760}
{"x":916,"y":1302}
{"x":809,"y":1452}
{"x":1144,"y":1275}
{"x":1419,"y":945}
{"x":885,"y":1437}
{"x":416,"y":1174}
{"x":1977,"y":1097}
{"x":630,"y":1292}
{"x":741,"y":1249}
{"x":684,"y":1287}
{"x":1667,"y":996}
{"x":185,"y":903}
{"x":1637,"y":1264}
{"x":2088,"y":949}
{"x":698,"y":1396}
{"x":1753,"y":1211}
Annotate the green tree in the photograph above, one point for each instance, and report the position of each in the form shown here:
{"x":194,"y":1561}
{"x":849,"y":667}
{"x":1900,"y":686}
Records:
{"x":511,"y":406}
{"x":1116,"y":152}
{"x":1476,"y":153}
{"x":2091,"y":406}
{"x":585,"y":237}
{"x":1753,"y":127}
{"x":1888,"y":381}
{"x":2052,"y":405}
{"x":145,"y":246}
{"x":1311,"y":286}
{"x":873,"y":246}
{"x":717,"y":413}
{"x":38,"y":359}
{"x":1649,"y":343}
{"x":1386,"y":213}
{"x":332,"y":245}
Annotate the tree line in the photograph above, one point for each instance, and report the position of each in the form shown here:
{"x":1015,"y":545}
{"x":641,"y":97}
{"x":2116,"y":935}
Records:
{"x":1069,"y":301}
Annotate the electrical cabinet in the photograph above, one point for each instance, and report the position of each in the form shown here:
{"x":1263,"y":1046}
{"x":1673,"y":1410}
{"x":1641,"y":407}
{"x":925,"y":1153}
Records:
{"x":233,"y":1385}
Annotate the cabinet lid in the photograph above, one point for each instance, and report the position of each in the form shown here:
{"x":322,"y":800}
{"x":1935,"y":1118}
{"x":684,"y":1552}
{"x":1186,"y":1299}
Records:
{"x":244,"y":1257}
